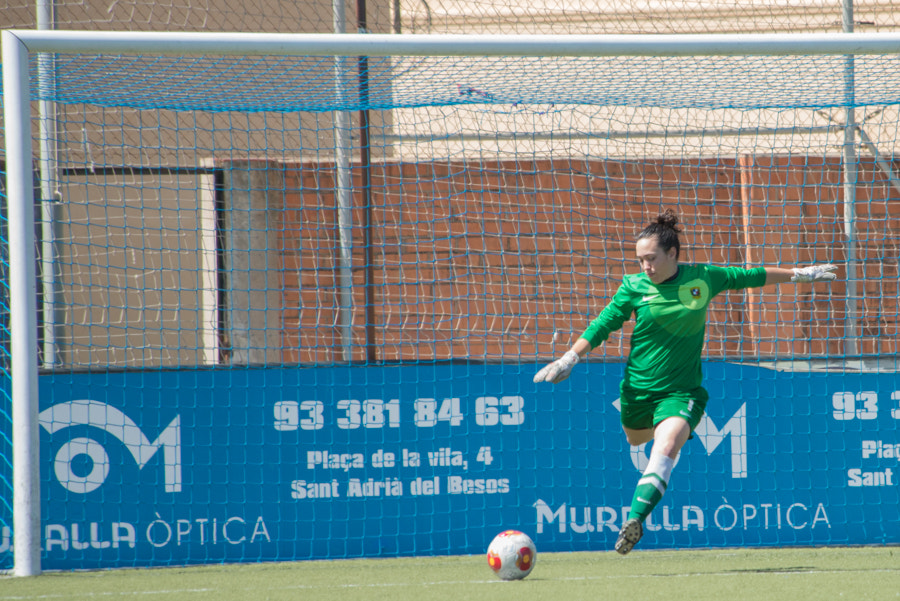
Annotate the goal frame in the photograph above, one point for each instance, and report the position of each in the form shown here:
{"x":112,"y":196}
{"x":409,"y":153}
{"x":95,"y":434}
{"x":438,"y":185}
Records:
{"x":18,"y":45}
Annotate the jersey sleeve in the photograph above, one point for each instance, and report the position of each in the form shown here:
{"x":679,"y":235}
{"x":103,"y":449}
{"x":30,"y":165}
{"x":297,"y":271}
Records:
{"x":613,"y":316}
{"x":735,"y":278}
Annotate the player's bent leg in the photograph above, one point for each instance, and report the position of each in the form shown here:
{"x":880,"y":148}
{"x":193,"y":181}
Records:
{"x":631,"y":532}
{"x":670,"y":435}
{"x":638,"y":437}
{"x":677,"y":416}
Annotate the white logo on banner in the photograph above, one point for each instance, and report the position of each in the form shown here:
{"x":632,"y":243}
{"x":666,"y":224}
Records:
{"x":100,"y":415}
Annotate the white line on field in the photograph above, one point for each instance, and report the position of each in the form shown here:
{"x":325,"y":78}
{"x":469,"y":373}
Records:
{"x":787,"y":572}
{"x":69,"y":595}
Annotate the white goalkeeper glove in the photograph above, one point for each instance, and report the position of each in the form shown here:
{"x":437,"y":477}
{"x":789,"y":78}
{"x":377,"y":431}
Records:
{"x":814,"y":273}
{"x":559,"y":370}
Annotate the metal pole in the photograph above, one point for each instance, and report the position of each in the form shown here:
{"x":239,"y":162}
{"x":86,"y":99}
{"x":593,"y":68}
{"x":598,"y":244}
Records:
{"x":395,"y":17}
{"x":23,"y":308}
{"x":343,"y":151}
{"x":851,"y":319}
{"x":374,"y":44}
{"x":366,"y":155}
{"x":47,"y":140}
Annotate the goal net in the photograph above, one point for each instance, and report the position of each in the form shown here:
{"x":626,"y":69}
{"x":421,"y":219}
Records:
{"x":289,"y":292}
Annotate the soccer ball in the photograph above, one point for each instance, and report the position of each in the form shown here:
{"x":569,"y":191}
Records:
{"x":511,"y":555}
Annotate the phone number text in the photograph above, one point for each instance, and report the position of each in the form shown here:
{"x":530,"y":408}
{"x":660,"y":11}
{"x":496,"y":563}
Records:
{"x":350,"y":414}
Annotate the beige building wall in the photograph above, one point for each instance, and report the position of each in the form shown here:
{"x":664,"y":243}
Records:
{"x":641,"y":16}
{"x":625,"y":132}
{"x":91,"y":135}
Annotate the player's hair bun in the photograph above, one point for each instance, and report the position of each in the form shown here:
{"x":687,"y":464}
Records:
{"x":668,"y":219}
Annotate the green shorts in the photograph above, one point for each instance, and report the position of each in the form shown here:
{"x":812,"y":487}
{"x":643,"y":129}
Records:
{"x":641,"y":410}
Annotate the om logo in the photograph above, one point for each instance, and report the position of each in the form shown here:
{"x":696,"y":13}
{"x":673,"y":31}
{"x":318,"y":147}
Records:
{"x":103,"y":416}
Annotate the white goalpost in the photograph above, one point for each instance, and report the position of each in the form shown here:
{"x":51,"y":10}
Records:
{"x":19,"y":47}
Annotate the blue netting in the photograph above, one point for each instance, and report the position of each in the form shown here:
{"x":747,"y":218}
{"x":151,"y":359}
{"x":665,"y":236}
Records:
{"x":289,"y":84}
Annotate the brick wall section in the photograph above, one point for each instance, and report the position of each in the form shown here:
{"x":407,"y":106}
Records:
{"x":795,"y":215}
{"x":489,"y":259}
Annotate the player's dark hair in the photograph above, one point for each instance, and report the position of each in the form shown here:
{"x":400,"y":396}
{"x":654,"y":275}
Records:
{"x":665,"y":229}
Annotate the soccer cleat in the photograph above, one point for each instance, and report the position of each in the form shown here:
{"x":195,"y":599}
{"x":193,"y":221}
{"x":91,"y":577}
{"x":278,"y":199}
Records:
{"x":631,"y":533}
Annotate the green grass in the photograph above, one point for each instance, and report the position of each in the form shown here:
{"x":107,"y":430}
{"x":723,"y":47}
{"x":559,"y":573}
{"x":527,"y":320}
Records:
{"x":727,"y":574}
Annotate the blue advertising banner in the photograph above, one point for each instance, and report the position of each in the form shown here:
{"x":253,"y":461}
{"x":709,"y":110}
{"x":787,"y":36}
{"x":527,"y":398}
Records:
{"x":177,"y":467}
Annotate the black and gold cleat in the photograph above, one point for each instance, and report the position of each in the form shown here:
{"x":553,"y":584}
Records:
{"x":631,"y":533}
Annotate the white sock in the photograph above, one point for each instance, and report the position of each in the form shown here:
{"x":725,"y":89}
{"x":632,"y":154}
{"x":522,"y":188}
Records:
{"x":661,"y":465}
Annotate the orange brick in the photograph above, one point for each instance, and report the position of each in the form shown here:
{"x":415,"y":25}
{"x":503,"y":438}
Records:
{"x":479,"y":250}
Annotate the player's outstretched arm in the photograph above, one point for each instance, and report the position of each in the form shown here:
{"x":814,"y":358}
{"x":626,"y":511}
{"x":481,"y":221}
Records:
{"x":560,"y":369}
{"x":800,"y":275}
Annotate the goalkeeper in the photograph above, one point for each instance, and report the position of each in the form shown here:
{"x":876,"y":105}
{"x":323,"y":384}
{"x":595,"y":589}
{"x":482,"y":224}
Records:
{"x":661,"y":395}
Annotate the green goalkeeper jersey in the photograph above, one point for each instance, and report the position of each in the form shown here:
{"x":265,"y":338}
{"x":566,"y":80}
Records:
{"x":670,"y":323}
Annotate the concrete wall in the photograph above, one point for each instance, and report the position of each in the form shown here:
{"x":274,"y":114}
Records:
{"x":134,"y":288}
{"x":251,"y":264}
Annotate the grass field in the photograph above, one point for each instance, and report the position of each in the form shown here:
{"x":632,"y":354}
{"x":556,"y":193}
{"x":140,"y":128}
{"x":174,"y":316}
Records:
{"x":738,"y":574}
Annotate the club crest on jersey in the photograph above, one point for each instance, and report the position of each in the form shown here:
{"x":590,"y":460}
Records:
{"x":694,"y":294}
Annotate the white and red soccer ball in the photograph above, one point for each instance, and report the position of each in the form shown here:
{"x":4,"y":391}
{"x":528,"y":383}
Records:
{"x":511,"y":555}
